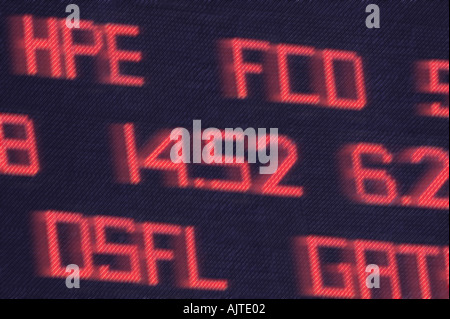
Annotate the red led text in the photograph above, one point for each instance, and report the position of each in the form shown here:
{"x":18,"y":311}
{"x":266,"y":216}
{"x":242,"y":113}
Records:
{"x":407,"y":271}
{"x":336,"y":77}
{"x":64,"y":238}
{"x":48,"y":48}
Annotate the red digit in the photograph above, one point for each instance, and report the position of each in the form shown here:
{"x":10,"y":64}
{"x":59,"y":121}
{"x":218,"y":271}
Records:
{"x":428,"y":81}
{"x":129,"y":161}
{"x":239,"y":172}
{"x":288,"y":156}
{"x":358,"y":177}
{"x":150,"y":158}
{"x":22,"y":142}
{"x":426,"y":191}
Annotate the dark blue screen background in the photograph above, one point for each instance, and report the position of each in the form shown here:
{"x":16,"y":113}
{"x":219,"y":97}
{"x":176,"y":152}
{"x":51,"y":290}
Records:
{"x":244,"y":238}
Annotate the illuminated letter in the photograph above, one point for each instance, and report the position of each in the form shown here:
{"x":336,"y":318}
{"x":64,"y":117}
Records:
{"x":235,"y":68}
{"x":27,"y":48}
{"x":115,"y":56}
